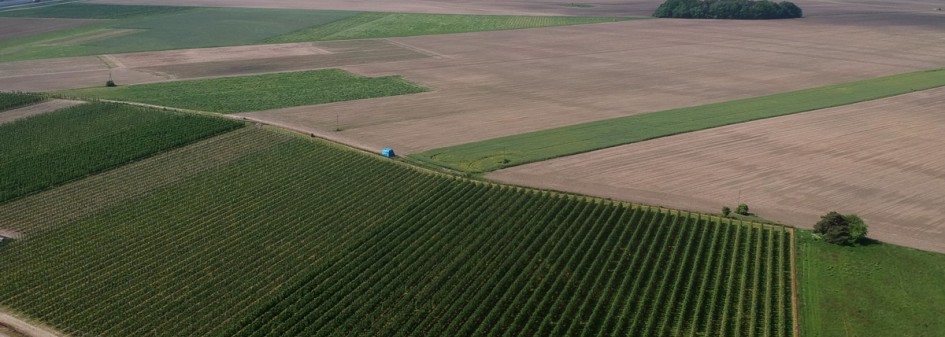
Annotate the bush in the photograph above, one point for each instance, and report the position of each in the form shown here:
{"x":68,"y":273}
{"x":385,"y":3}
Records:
{"x":726,"y":211}
{"x":110,"y":83}
{"x":728,"y":9}
{"x":742,"y":209}
{"x":840,"y":229}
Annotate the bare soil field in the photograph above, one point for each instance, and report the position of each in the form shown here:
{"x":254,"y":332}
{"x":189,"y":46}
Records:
{"x":883,"y":160}
{"x":20,"y":27}
{"x":147,"y":67}
{"x":36,"y":109}
{"x":488,"y":85}
{"x":812,"y":8}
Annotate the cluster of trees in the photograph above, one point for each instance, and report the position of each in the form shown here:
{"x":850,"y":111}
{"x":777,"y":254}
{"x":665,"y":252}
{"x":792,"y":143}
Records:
{"x":728,"y":9}
{"x":742,"y":209}
{"x":841,"y":229}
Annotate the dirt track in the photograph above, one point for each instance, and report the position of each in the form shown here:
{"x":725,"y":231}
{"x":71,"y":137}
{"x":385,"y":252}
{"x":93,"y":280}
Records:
{"x":25,"y":328}
{"x":883,"y":160}
{"x":36,"y":109}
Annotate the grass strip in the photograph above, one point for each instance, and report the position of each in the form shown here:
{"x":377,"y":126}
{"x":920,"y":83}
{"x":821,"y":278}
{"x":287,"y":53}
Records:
{"x":498,"y":153}
{"x":873,"y":290}
{"x":257,"y":92}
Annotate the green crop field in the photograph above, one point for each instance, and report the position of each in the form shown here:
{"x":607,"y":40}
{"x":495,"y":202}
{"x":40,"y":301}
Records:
{"x":50,"y":149}
{"x":257,"y":92}
{"x":378,"y":25}
{"x":15,"y":100}
{"x":276,"y":234}
{"x":147,"y":28}
{"x":494,"y":154}
{"x":873,"y":290}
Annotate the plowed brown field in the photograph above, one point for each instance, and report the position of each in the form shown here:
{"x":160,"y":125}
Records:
{"x":487,"y":85}
{"x":883,"y":160}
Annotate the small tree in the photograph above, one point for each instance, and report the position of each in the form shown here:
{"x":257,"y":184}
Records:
{"x":726,"y":211}
{"x":742,"y":209}
{"x":841,"y":230}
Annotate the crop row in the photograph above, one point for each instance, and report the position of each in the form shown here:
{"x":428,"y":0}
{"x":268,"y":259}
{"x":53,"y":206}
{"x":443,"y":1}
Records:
{"x":9,"y":100}
{"x":306,"y":239}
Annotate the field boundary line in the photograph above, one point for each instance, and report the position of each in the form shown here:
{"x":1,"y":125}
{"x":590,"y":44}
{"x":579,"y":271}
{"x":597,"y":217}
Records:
{"x":416,"y":49}
{"x":26,"y":328}
{"x":794,"y":300}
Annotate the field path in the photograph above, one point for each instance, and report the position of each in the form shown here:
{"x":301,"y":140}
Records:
{"x":36,"y":109}
{"x":26,"y":328}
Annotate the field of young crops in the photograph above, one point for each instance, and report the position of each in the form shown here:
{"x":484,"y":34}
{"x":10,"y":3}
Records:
{"x":50,"y":149}
{"x":494,"y":154}
{"x":378,"y":25}
{"x":257,"y":92}
{"x":15,"y":100}
{"x":293,"y":237}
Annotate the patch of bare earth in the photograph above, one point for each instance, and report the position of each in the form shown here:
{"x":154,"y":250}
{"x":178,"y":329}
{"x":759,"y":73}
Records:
{"x":36,"y":109}
{"x":493,"y":84}
{"x":20,"y":27}
{"x":883,"y":160}
{"x":66,"y":73}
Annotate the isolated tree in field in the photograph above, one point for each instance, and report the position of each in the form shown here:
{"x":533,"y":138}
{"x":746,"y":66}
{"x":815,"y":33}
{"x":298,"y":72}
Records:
{"x":726,"y":211}
{"x":840,"y":229}
{"x":742,"y":209}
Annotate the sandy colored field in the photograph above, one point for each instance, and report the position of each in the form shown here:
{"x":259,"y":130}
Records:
{"x":36,"y":109}
{"x":147,"y":67}
{"x":487,"y":85}
{"x":883,"y":160}
{"x":19,"y":27}
{"x":536,"y":7}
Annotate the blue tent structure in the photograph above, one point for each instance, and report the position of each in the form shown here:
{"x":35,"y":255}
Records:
{"x":388,"y":152}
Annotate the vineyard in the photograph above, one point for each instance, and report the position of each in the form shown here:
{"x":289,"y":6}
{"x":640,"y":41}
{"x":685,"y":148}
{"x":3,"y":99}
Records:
{"x":15,"y":100}
{"x":50,"y":149}
{"x":286,"y":236}
{"x":257,"y":92}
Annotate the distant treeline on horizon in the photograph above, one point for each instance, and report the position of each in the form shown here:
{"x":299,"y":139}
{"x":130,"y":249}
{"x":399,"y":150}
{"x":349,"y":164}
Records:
{"x":728,"y":9}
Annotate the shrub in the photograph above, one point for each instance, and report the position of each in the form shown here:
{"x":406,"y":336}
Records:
{"x":110,"y":83}
{"x":840,"y":229}
{"x":726,"y":211}
{"x":742,"y":209}
{"x":728,"y":9}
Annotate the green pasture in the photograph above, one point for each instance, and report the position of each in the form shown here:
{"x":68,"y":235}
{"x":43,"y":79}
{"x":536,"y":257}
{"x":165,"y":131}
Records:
{"x":873,"y":290}
{"x":254,"y":93}
{"x":494,"y":154}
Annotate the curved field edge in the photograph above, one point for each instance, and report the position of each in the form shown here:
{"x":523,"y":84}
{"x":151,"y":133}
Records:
{"x":51,"y":149}
{"x":498,"y":153}
{"x":306,"y":238}
{"x":877,"y":289}
{"x":255,"y":92}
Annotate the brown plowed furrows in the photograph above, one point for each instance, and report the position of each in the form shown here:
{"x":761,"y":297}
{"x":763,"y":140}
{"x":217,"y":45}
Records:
{"x":36,"y":109}
{"x":66,"y":73}
{"x":883,"y":160}
{"x":20,"y":27}
{"x":536,"y":7}
{"x":494,"y":84}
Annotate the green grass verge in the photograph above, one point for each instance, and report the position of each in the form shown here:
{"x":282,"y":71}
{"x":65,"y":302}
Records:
{"x":282,"y":235}
{"x":494,"y":154}
{"x":78,"y":10}
{"x":255,"y":93}
{"x":10,"y":100}
{"x":50,"y":149}
{"x":382,"y":25}
{"x":873,"y":290}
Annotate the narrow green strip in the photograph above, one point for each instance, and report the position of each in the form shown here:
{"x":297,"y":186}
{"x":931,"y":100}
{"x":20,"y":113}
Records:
{"x":498,"y":153}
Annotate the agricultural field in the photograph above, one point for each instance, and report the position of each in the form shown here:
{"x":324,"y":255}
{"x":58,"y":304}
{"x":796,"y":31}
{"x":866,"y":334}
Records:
{"x":288,"y":227}
{"x":15,"y":100}
{"x":493,"y":154}
{"x":54,"y":148}
{"x":881,"y":159}
{"x":496,"y":84}
{"x":21,"y":27}
{"x":253,"y":93}
{"x":874,"y":290}
{"x":40,"y":108}
{"x":148,"y":28}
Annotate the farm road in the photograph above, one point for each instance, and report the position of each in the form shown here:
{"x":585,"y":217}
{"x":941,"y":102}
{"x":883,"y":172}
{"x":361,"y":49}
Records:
{"x":25,"y":328}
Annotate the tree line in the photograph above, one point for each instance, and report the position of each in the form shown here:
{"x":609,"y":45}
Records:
{"x":728,"y":9}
